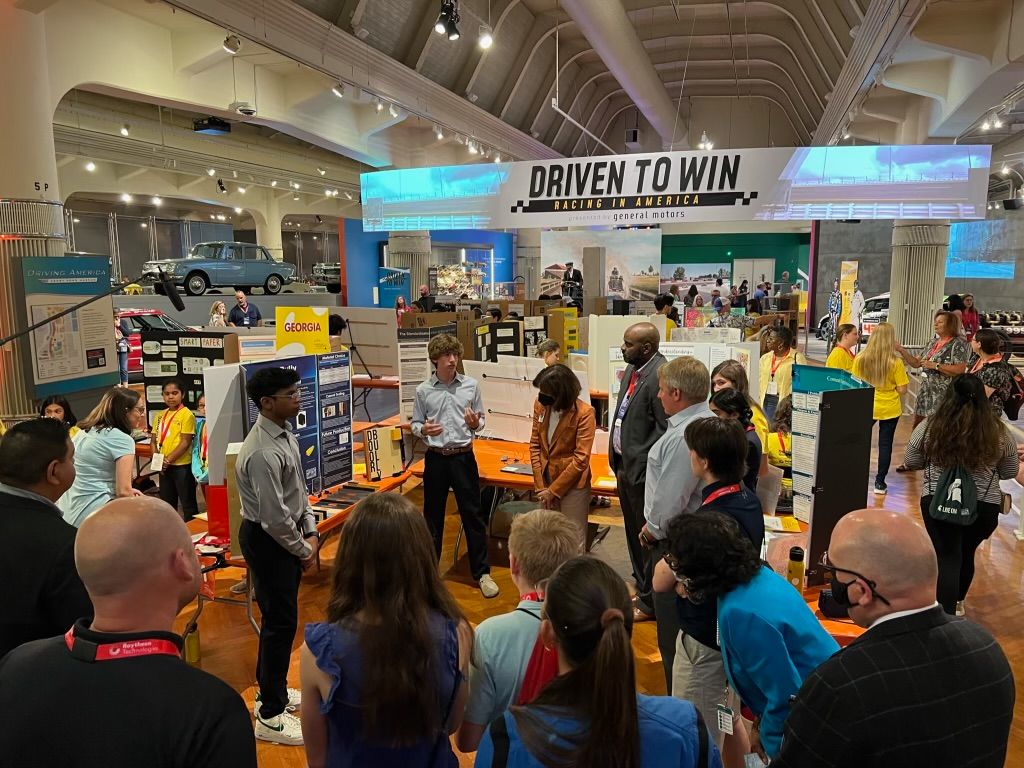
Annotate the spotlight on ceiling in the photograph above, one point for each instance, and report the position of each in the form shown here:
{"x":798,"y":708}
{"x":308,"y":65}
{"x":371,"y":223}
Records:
{"x":238,"y":210}
{"x":986,"y":125}
{"x":295,"y":197}
{"x":157,"y":201}
{"x":321,"y":171}
{"x":447,"y":9}
{"x":125,"y":129}
{"x":211,"y":171}
{"x":497,"y":157}
{"x":273,"y":183}
{"x":126,"y":198}
{"x":705,"y":142}
{"x":144,"y":225}
{"x":438,"y":132}
{"x":997,"y":121}
{"x":221,"y":188}
{"x":318,"y":220}
{"x":348,"y":195}
{"x":90,"y":166}
{"x":471,"y":146}
{"x":486,"y":39}
{"x":234,"y":174}
{"x":1005,"y":169}
{"x":393,"y":111}
{"x":380,"y":105}
{"x":339,"y":91}
{"x":232,"y":44}
{"x":453,"y":29}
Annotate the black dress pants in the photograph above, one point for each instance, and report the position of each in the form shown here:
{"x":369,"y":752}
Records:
{"x":177,"y":483}
{"x":275,"y":575}
{"x":631,"y":499}
{"x":955,"y":546}
{"x":459,"y":473}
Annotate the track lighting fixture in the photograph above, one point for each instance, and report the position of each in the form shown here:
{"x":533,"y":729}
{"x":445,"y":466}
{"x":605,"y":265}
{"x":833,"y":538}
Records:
{"x":348,"y":195}
{"x":238,"y":210}
{"x":318,"y":219}
{"x":486,"y":39}
{"x":986,"y":125}
{"x":232,"y":44}
{"x":157,"y":201}
{"x":321,"y":171}
{"x":997,"y":121}
{"x":438,"y":133}
{"x":393,"y":111}
{"x":221,"y":188}
{"x":126,"y":198}
{"x":211,"y":171}
{"x":234,"y":174}
{"x":447,"y":19}
{"x":705,"y":142}
{"x":273,"y":183}
{"x":380,"y":105}
{"x":339,"y":91}
{"x":241,"y":190}
{"x":497,"y":157}
{"x":125,"y":129}
{"x":295,"y":197}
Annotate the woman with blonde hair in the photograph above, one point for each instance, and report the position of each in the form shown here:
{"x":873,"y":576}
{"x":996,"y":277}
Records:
{"x":881,"y":367}
{"x":731,"y":374}
{"x":218,"y":315}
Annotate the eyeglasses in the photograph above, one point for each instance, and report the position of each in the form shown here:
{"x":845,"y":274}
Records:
{"x":296,"y":395}
{"x":139,"y":409}
{"x":833,"y":569}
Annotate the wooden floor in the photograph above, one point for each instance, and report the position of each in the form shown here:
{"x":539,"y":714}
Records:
{"x":229,"y":645}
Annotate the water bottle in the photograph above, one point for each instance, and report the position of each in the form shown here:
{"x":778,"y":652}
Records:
{"x":795,"y":568}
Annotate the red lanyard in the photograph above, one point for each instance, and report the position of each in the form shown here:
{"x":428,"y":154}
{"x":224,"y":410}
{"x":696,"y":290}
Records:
{"x":782,"y":441}
{"x":127,"y":649}
{"x":982,"y":362}
{"x":535,"y":597}
{"x":937,"y":347}
{"x":715,"y":495}
{"x":165,"y":425}
{"x":775,"y":365}
{"x":203,"y":442}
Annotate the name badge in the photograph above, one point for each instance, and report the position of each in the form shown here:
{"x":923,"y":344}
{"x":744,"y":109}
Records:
{"x":156,"y":464}
{"x":724,"y":715}
{"x":618,"y":424}
{"x":773,"y":388}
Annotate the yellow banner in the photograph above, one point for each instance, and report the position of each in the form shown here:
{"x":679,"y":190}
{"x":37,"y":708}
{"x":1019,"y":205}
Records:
{"x":301,"y":331}
{"x":847,"y":278}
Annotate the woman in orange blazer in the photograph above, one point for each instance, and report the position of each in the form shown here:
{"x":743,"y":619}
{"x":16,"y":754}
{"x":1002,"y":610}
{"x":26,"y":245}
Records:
{"x":563,"y":435}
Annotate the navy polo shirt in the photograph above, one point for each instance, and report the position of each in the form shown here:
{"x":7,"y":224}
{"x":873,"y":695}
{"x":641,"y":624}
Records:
{"x":247,"y":318}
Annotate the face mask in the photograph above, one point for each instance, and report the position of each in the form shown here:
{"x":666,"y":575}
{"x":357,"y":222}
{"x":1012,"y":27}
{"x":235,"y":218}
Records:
{"x":840,"y":591}
{"x":546,"y":400}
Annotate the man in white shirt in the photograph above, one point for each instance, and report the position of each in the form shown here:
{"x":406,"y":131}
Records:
{"x":920,"y":687}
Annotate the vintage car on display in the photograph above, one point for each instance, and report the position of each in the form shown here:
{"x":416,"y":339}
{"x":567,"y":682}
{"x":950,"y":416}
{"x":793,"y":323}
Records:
{"x":140,"y":320}
{"x":223,"y":265}
{"x":328,"y":274}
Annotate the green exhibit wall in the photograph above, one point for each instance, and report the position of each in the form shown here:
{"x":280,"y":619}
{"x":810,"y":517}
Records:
{"x":789,"y":249}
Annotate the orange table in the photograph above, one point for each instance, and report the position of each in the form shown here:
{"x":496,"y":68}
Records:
{"x":366,"y":383}
{"x":489,"y":455}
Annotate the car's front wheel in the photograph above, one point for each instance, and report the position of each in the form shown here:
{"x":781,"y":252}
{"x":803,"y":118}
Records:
{"x":273,"y":285}
{"x":196,"y":284}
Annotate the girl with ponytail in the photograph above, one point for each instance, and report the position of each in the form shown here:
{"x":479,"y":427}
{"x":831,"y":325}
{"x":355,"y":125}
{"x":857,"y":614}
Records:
{"x":590,"y":715}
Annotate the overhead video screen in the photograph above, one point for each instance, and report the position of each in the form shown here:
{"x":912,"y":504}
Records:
{"x":985,"y":249}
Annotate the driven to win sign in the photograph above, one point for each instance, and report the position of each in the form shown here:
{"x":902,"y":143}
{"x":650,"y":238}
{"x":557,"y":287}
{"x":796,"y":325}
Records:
{"x":887,"y":182}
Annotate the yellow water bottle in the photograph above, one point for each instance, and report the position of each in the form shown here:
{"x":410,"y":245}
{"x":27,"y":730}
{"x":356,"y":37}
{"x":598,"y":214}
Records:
{"x":795,"y":568}
{"x":193,"y":651}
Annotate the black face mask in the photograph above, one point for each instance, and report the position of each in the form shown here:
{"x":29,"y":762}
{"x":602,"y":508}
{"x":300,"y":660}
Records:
{"x":546,"y":400}
{"x":840,"y":591}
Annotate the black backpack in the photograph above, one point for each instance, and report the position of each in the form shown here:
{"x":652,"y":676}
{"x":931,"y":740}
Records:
{"x":1013,"y":403}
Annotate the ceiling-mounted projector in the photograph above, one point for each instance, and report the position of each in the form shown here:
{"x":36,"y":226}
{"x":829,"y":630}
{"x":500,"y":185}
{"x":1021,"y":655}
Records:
{"x":242,"y":108}
{"x":211,"y":125}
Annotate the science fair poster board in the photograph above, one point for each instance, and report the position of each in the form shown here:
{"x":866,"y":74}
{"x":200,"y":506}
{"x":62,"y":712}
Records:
{"x":493,"y":339}
{"x":301,"y":331}
{"x":932,"y":181}
{"x":77,"y":351}
{"x":414,"y":366}
{"x":709,"y":354}
{"x":185,"y":355}
{"x":604,"y":331}
{"x":529,"y":367}
{"x":831,"y":453}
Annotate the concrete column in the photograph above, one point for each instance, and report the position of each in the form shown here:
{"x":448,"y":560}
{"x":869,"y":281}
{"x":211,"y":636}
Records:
{"x":268,"y":229}
{"x":527,"y":261}
{"x":31,"y":214}
{"x":918,"y":278}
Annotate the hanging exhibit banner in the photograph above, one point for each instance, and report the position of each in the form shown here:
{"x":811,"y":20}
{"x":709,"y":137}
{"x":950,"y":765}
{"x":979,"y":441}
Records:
{"x":804,"y":183}
{"x":301,"y":331}
{"x":847,"y":286}
{"x":77,"y":351}
{"x":392,"y":283}
{"x":631,"y":260}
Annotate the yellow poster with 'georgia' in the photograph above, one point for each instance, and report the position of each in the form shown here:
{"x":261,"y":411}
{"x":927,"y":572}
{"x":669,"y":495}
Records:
{"x":847,"y":279}
{"x":301,"y":331}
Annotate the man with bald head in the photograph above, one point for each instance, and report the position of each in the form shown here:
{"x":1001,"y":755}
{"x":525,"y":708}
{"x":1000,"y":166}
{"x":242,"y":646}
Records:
{"x":920,"y":687}
{"x":133,"y":700}
{"x":637,"y":422}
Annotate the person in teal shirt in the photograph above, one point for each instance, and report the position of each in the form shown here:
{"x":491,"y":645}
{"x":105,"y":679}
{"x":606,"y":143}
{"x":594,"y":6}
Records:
{"x":200,"y":459}
{"x":770,"y":639}
{"x":590,"y":715}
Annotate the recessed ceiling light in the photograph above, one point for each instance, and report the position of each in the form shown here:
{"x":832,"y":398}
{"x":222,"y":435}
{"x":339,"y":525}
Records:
{"x":125,"y":129}
{"x":232,"y":44}
{"x":211,"y":171}
{"x":126,"y":198}
{"x":90,"y":166}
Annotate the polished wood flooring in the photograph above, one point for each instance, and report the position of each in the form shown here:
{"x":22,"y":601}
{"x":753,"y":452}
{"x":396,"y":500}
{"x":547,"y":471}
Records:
{"x":229,"y":645}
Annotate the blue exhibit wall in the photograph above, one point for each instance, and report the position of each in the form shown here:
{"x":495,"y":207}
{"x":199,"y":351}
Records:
{"x":790,"y":250}
{"x":362,"y":256}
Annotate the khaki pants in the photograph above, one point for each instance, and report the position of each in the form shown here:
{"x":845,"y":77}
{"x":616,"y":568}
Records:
{"x":698,"y":676}
{"x":576,"y":506}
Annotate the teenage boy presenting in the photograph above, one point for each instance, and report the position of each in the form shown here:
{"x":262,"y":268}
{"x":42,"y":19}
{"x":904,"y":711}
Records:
{"x":279,"y":541}
{"x":446,"y":413}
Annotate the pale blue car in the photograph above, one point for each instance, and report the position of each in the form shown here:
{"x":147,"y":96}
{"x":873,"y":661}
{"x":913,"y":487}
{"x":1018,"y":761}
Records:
{"x":223,"y":264}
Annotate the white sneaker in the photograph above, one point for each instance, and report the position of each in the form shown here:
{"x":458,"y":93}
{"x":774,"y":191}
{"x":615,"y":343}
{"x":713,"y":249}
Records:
{"x":488,"y":587}
{"x":240,"y":588}
{"x":283,"y":729}
{"x":961,"y":609}
{"x":294,"y":701}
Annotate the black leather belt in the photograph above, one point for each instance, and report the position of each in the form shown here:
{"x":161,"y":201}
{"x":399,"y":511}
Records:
{"x":452,"y":451}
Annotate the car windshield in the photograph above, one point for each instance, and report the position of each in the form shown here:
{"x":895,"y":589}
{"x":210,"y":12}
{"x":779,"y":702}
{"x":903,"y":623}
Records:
{"x":875,"y":305}
{"x":159,"y":322}
{"x":205,"y":251}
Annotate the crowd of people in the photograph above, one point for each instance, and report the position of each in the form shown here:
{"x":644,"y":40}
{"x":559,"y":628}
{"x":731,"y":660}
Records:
{"x":395,"y":671}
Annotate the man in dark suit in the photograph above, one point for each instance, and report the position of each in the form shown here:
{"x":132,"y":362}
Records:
{"x":572,"y":282}
{"x":44,"y":595}
{"x":920,"y":688}
{"x":637,"y":422}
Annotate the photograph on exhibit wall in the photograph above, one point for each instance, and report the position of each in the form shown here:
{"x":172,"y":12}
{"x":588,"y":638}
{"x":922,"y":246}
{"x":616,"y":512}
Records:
{"x":707,"y":277}
{"x":631,"y":260}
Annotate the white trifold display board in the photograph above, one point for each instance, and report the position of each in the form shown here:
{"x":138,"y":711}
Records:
{"x":709,"y":354}
{"x":506,"y":388}
{"x":605,"y":331}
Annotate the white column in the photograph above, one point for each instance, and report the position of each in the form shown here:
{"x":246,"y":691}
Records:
{"x":268,"y":228}
{"x":917,"y":279}
{"x":31,"y":214}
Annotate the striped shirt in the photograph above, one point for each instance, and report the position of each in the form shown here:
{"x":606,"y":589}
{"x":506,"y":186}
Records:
{"x":986,"y":479}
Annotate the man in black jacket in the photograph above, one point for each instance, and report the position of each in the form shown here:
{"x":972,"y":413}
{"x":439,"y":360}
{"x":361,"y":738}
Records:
{"x":637,"y":422}
{"x":920,"y":688}
{"x":44,"y":595}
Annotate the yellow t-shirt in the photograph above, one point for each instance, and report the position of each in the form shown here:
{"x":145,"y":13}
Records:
{"x":72,"y":431}
{"x":840,"y":358}
{"x":760,"y":422}
{"x":888,"y":404}
{"x":783,"y":373}
{"x":169,"y":427}
{"x":780,"y":454}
